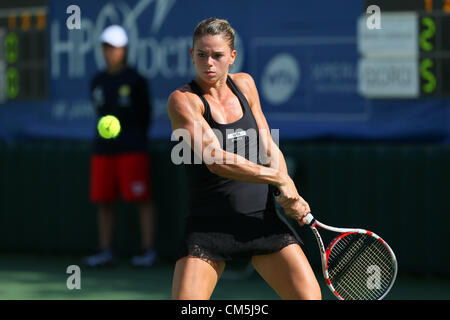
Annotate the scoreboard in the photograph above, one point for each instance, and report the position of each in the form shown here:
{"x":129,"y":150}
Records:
{"x":23,"y":50}
{"x":409,"y":56}
{"x":411,"y":5}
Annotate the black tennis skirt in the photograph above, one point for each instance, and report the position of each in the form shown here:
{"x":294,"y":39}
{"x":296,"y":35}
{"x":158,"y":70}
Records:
{"x":222,"y":238}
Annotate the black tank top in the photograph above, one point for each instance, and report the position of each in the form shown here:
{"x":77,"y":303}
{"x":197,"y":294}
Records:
{"x":212,"y":195}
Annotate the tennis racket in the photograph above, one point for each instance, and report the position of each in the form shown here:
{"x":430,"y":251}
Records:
{"x":357,"y":264}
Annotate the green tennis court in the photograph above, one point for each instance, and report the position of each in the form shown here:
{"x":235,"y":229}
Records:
{"x":45,"y":277}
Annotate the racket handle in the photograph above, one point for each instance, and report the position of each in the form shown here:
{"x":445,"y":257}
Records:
{"x":309,"y":219}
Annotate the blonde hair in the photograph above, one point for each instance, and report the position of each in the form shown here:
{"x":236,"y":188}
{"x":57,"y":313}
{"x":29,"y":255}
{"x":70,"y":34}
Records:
{"x":214,"y":26}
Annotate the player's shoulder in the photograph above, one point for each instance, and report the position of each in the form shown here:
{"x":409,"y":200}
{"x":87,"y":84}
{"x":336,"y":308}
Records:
{"x":181,"y":98}
{"x":243,"y":80}
{"x":241,"y":76}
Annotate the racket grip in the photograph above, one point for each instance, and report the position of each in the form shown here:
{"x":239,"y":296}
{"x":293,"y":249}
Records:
{"x":309,"y":219}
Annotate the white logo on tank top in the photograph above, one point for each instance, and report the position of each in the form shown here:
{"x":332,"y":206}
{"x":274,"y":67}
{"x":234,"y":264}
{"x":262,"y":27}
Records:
{"x":236,"y":135}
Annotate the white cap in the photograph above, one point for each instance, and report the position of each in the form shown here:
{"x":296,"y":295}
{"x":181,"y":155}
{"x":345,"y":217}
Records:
{"x":114,"y":35}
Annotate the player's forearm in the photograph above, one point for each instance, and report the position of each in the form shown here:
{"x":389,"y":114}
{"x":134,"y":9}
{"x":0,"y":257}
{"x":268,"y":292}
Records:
{"x":277,"y":161}
{"x":236,"y":167}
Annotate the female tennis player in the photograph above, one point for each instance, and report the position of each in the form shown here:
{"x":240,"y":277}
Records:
{"x":232,"y":213}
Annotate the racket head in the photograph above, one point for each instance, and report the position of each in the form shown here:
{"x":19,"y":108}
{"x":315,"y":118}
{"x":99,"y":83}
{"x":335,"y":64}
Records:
{"x":360,"y":266}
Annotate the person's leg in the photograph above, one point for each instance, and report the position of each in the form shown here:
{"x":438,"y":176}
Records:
{"x":134,"y":182}
{"x":106,"y":225}
{"x":103,"y":192}
{"x":288,"y":272}
{"x":195,"y":279}
{"x":147,"y":222}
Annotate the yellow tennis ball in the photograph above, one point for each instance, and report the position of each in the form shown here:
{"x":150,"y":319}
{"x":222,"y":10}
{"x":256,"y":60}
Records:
{"x":108,"y":127}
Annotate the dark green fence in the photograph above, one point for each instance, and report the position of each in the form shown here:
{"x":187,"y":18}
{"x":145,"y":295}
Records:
{"x":44,"y":200}
{"x":401,"y":192}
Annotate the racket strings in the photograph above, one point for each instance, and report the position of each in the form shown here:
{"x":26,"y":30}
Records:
{"x":350,"y":282}
{"x":343,"y":251}
{"x":344,"y":281}
{"x":367,"y":291}
{"x":348,"y":277}
{"x":352,"y":251}
{"x":370,"y":290}
{"x":354,"y":283}
{"x":360,"y":267}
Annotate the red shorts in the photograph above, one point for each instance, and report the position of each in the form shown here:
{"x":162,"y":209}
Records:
{"x":127,"y":173}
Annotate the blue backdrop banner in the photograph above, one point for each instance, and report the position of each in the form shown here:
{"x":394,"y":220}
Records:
{"x":303,"y":56}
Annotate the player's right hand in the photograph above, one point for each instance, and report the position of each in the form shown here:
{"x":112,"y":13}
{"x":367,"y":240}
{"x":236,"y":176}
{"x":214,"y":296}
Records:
{"x":288,"y":192}
{"x":302,"y":210}
{"x":293,"y":204}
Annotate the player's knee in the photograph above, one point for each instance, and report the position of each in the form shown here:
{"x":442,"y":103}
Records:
{"x":316,"y":295}
{"x":313,"y":292}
